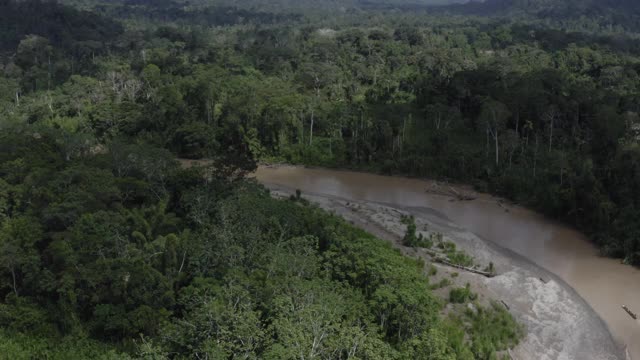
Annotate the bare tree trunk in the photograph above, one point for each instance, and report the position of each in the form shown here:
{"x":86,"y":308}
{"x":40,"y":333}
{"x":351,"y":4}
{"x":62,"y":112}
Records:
{"x":209,"y":112}
{"x":49,"y":101}
{"x":577,"y":122}
{"x":495,"y":137}
{"x":355,"y":145}
{"x":535,"y":156}
{"x":13,"y":276}
{"x":301,"y":141}
{"x":551,"y":134}
{"x":404,"y":127}
{"x":486,"y":144}
{"x":49,"y":73}
{"x":311,"y":128}
{"x":184,"y":256}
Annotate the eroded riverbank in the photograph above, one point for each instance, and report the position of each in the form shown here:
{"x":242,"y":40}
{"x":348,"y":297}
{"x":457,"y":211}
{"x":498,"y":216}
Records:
{"x":561,"y":325}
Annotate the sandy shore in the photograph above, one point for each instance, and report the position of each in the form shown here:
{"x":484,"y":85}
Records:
{"x":559,"y":323}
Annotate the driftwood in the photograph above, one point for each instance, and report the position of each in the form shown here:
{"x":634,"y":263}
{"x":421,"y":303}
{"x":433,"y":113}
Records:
{"x":437,"y":257}
{"x":436,"y":191}
{"x":471,"y":270}
{"x":451,"y":192}
{"x":505,"y":304}
{"x":506,"y":209}
{"x":631,"y":313}
{"x":461,"y":197}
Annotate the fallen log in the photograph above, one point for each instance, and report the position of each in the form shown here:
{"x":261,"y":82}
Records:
{"x":631,"y":313}
{"x":479,"y":272}
{"x":461,"y":197}
{"x":505,"y":304}
{"x":451,"y":192}
{"x":437,"y":257}
{"x":506,"y":209}
{"x":436,"y":191}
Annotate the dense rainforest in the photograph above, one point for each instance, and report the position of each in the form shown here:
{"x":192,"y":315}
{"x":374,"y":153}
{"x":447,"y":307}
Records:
{"x":109,"y":249}
{"x":119,"y":253}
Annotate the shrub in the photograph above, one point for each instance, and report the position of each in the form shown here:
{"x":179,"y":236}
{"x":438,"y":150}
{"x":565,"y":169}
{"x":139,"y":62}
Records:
{"x":461,"y":295}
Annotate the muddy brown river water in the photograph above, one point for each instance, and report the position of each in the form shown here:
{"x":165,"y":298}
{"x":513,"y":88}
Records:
{"x":604,"y":283}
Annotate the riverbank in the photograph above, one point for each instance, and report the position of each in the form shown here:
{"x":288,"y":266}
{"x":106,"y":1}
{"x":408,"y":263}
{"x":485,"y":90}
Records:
{"x":559,"y":323}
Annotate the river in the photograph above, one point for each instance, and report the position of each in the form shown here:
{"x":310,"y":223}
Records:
{"x":604,"y":283}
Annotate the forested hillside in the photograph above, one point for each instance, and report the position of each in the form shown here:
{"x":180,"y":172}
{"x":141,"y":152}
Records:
{"x":589,"y":15}
{"x":63,"y":26}
{"x":111,"y":250}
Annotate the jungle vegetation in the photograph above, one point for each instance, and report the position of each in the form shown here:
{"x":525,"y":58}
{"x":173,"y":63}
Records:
{"x":111,"y":250}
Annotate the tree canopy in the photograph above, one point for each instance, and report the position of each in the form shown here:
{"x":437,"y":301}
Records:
{"x":106,"y":240}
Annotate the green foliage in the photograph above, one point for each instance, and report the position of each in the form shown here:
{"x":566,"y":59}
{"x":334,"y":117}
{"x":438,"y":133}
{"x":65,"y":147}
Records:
{"x":492,"y":329}
{"x":461,"y":295}
{"x":454,"y":256}
{"x":540,"y":111}
{"x":432,"y":270}
{"x":490,"y":268}
{"x":444,"y":282}
{"x":410,"y":237}
{"x":194,"y":141}
{"x":25,"y":347}
{"x":103,"y":237}
{"x":123,"y":249}
{"x":431,"y":346}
